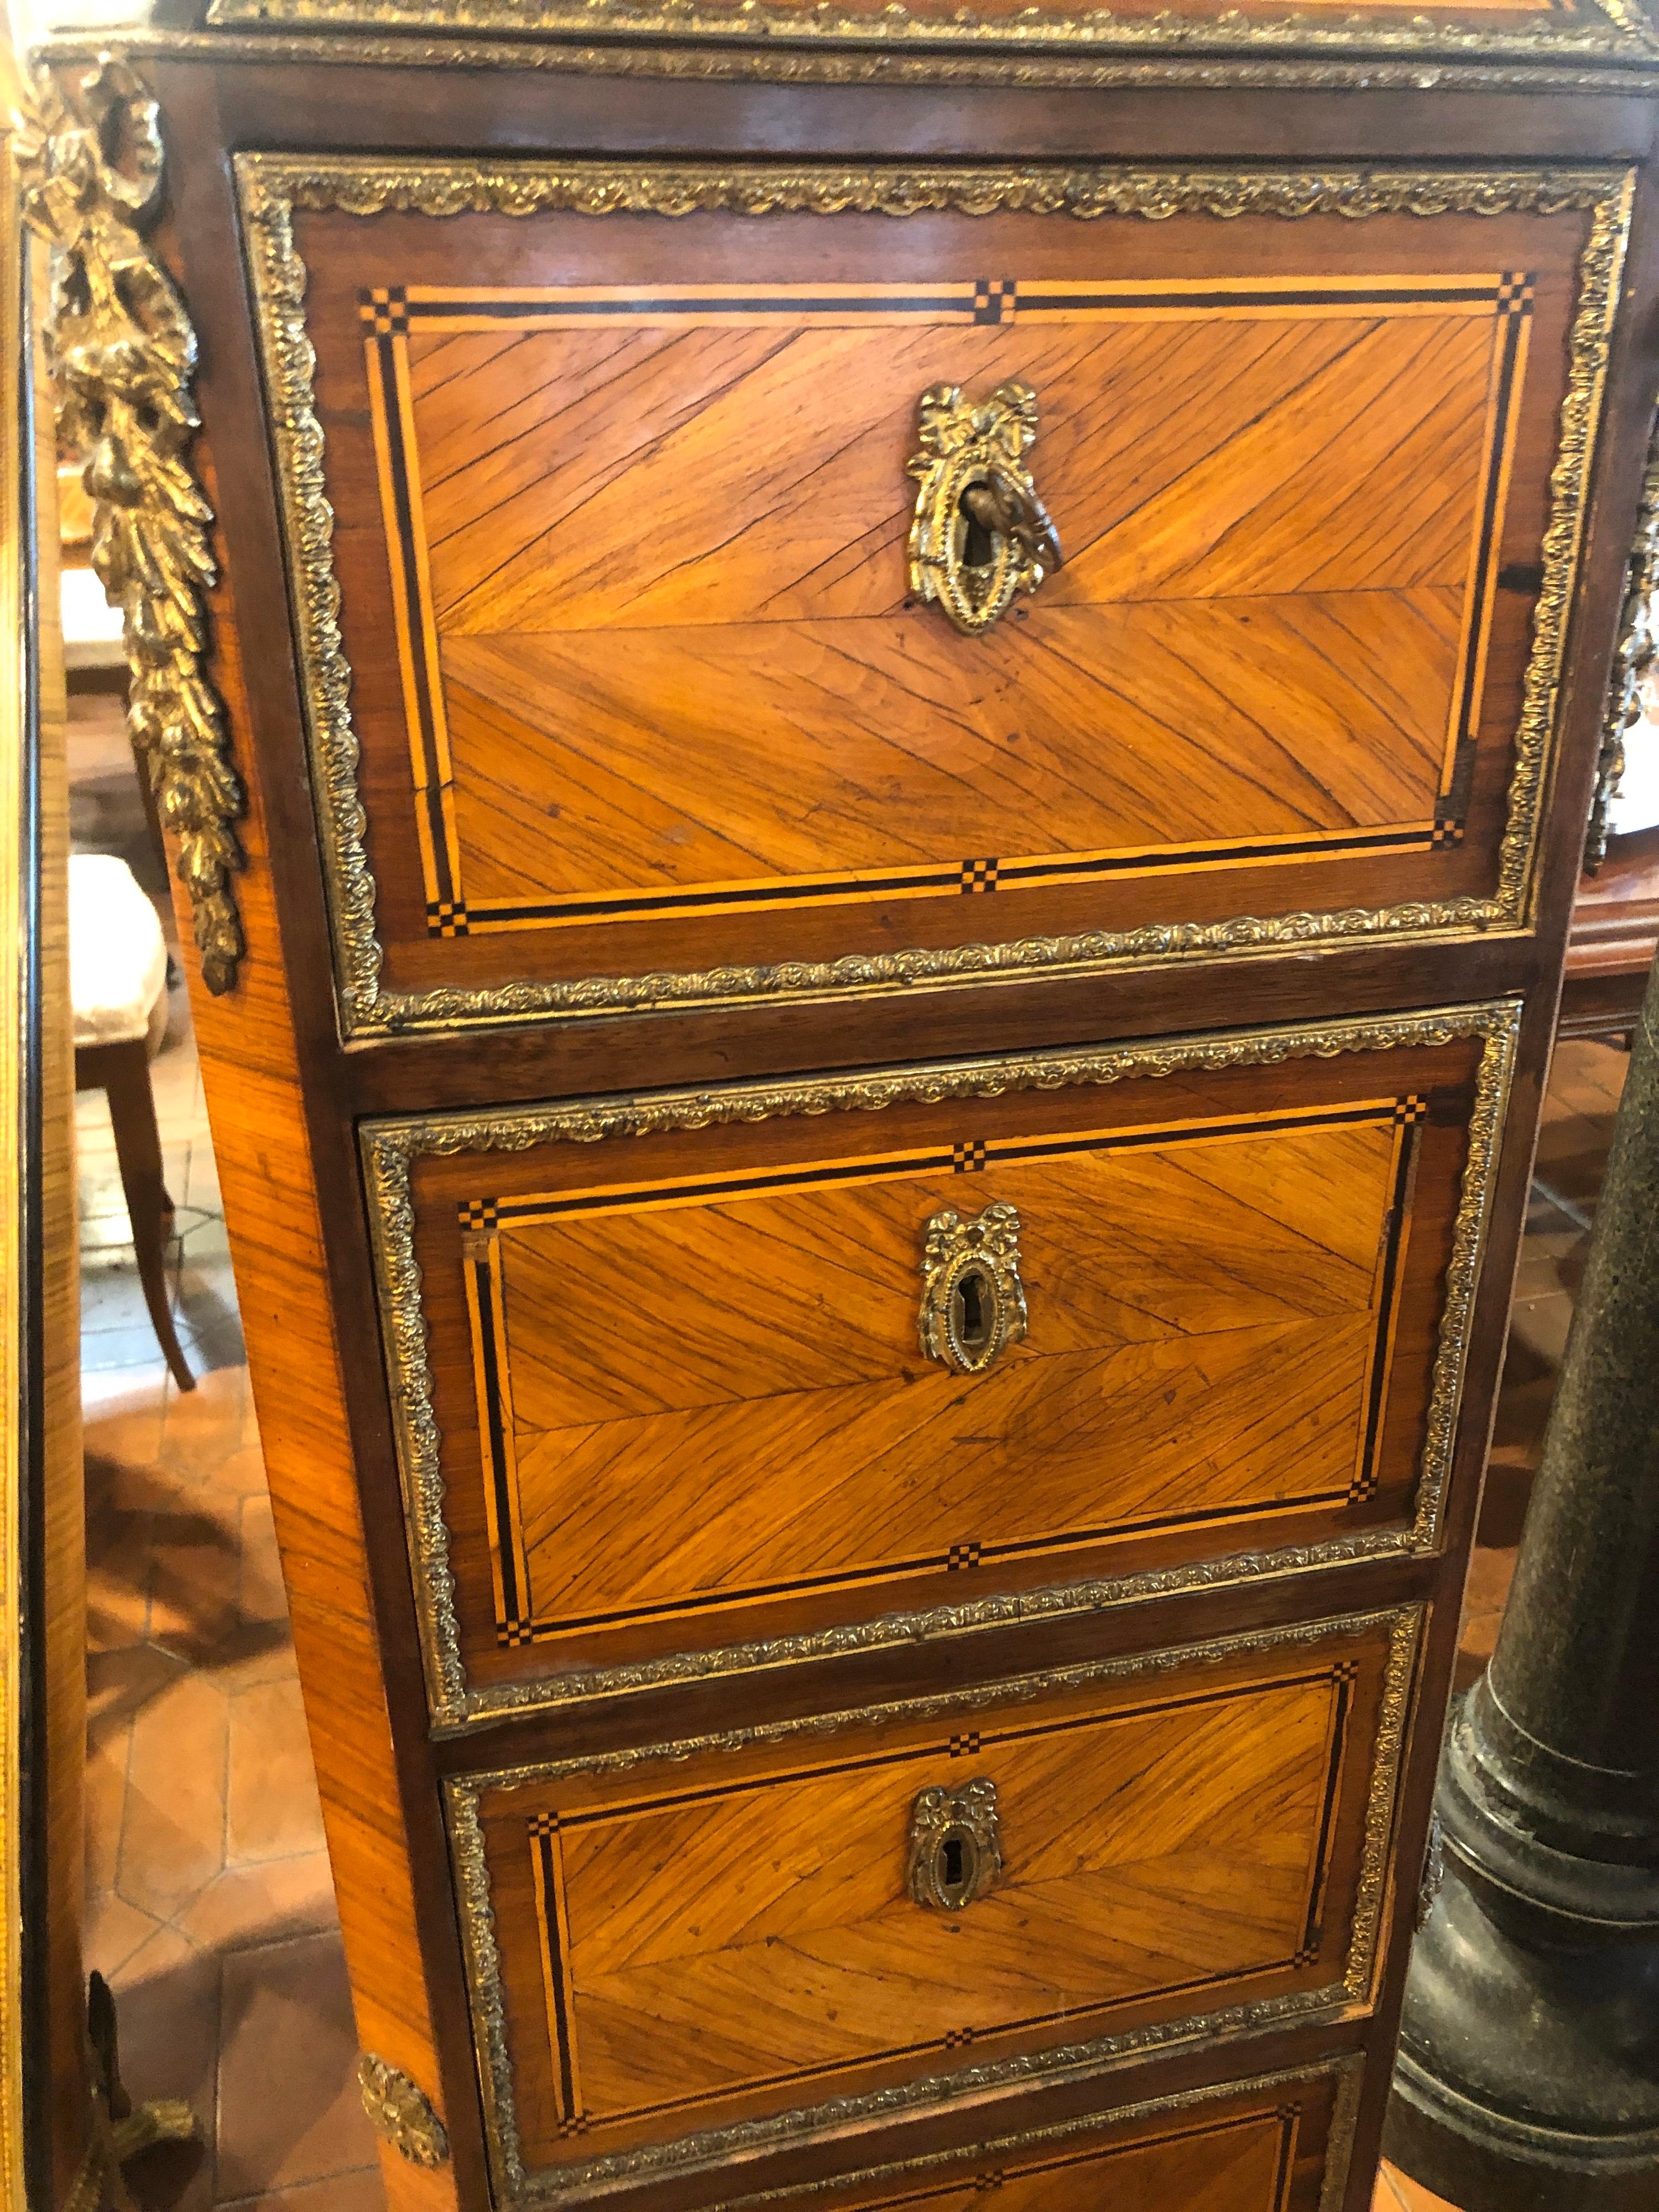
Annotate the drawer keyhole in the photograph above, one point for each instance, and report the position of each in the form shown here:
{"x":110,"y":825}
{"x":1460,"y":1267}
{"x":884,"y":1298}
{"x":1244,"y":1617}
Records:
{"x":955,"y":1870}
{"x":979,"y":549}
{"x":974,"y":1301}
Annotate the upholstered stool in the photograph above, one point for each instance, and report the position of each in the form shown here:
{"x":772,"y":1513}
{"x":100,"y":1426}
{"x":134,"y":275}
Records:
{"x":117,"y":980}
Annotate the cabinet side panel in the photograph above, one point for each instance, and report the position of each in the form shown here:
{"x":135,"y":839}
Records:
{"x":250,"y":1073}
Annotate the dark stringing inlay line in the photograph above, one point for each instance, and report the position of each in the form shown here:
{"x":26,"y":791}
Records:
{"x":391,"y":313}
{"x":493,"y":1386}
{"x":545,"y":1830}
{"x":940,"y":1159}
{"x":964,"y":878}
{"x":548,"y":1864}
{"x":480,"y":1222}
{"x":970,"y":2181}
{"x":395,"y":310}
{"x":1509,"y":369}
{"x":1411,"y":1115}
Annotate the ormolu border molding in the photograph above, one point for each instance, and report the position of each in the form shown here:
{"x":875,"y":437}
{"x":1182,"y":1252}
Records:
{"x":390,"y":1147}
{"x":272,"y":186}
{"x":1345,"y":2075}
{"x":1621,"y":34}
{"x":783,"y":65}
{"x":1344,"y":2126}
{"x":122,"y":354}
{"x":516,"y":2186}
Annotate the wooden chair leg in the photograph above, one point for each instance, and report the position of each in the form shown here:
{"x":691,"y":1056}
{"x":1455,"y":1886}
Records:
{"x":124,"y":1072}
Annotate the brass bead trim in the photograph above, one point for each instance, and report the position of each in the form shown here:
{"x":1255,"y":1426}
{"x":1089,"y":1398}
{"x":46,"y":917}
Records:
{"x":272,"y":186}
{"x":1345,"y":2074}
{"x":123,"y":357}
{"x":390,"y":1147}
{"x":1617,"y":32}
{"x":516,"y":2186}
{"x":782,"y":64}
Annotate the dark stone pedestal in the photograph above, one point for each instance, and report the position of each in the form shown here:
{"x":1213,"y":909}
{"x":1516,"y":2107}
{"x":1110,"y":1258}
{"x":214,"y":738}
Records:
{"x":1528,"y":2079}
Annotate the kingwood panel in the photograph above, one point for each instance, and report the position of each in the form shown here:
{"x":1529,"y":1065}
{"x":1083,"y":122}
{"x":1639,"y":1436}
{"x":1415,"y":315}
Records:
{"x":732,"y":1396}
{"x":621,"y":534}
{"x":1239,"y":2167}
{"x":1265,"y":2151}
{"x":680,"y":1401}
{"x":733,"y":1933}
{"x":1096,"y":1904}
{"x":1332,"y":480}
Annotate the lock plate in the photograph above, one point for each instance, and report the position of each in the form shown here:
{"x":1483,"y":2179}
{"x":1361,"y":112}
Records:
{"x":955,"y":1844}
{"x":981,"y":534}
{"x":973,"y":1303}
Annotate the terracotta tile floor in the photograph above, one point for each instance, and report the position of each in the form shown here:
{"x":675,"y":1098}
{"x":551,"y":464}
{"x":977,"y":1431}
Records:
{"x":209,"y":1901}
{"x":210,"y":1904}
{"x":1396,"y":2193}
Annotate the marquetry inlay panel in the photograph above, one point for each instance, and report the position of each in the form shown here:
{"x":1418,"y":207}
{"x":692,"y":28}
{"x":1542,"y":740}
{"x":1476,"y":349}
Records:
{"x":656,"y":717}
{"x":786,"y":1383}
{"x":1183,"y":440}
{"x":1280,"y":2143}
{"x":672,"y":1394}
{"x":1180,"y":1835}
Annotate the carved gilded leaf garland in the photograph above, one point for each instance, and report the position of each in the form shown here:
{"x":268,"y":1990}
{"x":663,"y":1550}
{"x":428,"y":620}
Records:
{"x":274,"y":186}
{"x":516,"y":2185}
{"x":390,"y":1147}
{"x":123,"y":357}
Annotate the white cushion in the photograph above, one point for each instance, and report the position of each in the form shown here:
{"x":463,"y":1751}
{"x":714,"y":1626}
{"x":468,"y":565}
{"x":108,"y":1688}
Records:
{"x":118,"y":956}
{"x":1636,"y":803}
{"x":89,"y":617}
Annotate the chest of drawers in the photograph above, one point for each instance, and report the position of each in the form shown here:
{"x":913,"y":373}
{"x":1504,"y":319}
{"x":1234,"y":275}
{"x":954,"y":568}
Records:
{"x":878,"y":725}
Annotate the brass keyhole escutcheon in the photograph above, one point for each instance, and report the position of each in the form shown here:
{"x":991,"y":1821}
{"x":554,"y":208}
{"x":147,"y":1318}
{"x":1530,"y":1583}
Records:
{"x":973,"y":1303}
{"x":982,"y":533}
{"x":955,"y":1844}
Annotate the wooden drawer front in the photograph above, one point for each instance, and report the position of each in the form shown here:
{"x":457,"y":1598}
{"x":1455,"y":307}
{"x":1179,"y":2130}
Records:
{"x":728,"y":1933}
{"x":647,"y":707}
{"x":1278,"y":2143}
{"x":666,"y":1394}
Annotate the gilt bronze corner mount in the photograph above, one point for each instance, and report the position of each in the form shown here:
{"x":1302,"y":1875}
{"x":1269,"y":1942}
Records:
{"x":401,"y":2111}
{"x":122,"y":354}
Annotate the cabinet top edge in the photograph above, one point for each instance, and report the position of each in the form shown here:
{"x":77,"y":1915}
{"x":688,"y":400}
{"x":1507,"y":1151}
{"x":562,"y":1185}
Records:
{"x":1614,"y":53}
